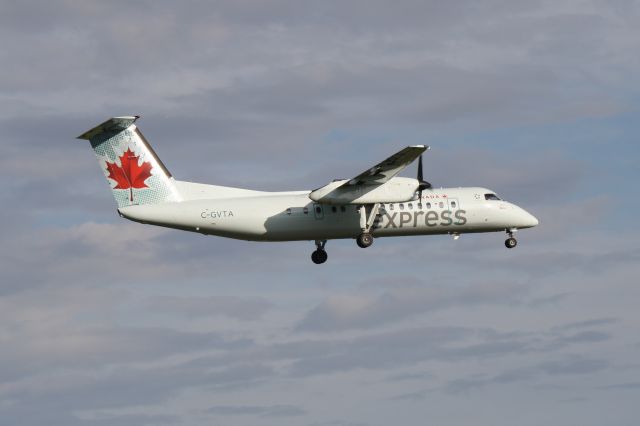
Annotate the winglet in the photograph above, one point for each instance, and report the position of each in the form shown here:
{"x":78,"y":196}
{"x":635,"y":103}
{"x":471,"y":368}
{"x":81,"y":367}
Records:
{"x":114,"y":124}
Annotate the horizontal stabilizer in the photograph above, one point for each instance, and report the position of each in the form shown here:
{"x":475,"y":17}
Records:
{"x":112,"y":125}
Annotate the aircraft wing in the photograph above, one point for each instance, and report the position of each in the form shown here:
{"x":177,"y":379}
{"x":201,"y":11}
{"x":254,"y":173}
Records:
{"x":385,"y":170}
{"x":372,"y":185}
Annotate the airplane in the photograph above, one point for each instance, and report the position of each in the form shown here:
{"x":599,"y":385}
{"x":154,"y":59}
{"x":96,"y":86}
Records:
{"x":376,"y":203}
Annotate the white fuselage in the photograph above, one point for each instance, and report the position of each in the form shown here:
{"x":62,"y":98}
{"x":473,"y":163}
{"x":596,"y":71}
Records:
{"x":291,"y":216}
{"x":374,"y":203}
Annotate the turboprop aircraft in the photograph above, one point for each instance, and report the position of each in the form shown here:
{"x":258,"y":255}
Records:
{"x":375,"y":203}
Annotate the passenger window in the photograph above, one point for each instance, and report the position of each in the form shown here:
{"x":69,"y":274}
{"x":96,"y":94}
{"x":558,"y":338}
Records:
{"x":428,"y":205}
{"x":391,"y":206}
{"x":318,"y":209}
{"x":334,"y":209}
{"x":401,"y":206}
{"x":420,"y":206}
{"x":491,"y":197}
{"x":441,"y":204}
{"x":288,"y":211}
{"x":343,"y":209}
{"x":453,"y":204}
{"x":305,"y":210}
{"x":410,"y":206}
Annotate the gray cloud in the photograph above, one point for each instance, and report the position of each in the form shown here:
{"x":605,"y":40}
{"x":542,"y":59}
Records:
{"x":130,"y":420}
{"x":253,"y":410}
{"x":574,"y":365}
{"x":244,"y":309}
{"x":410,"y":376}
{"x":125,"y":387}
{"x":595,"y":322}
{"x":622,"y":386}
{"x":406,"y":347}
{"x":31,"y":417}
{"x":53,"y":348}
{"x":355,"y":311}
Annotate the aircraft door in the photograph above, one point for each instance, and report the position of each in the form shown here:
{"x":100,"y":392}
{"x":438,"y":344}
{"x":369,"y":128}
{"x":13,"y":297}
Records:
{"x":318,"y":211}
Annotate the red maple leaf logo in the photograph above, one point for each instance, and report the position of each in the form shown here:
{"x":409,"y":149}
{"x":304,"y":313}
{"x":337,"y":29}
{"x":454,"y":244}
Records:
{"x":129,"y":174}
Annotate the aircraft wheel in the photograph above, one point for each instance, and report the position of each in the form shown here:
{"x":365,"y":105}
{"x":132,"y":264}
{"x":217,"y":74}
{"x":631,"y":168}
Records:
{"x":364,"y":240}
{"x":319,"y":256}
{"x":510,"y":242}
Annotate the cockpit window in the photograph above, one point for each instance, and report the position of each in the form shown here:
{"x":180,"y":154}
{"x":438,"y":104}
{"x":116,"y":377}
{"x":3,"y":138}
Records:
{"x":491,"y":197}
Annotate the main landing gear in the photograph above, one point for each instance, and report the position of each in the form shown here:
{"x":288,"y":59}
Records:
{"x":320,"y":255}
{"x":510,"y":242}
{"x":364,"y":240}
{"x":368,"y":215}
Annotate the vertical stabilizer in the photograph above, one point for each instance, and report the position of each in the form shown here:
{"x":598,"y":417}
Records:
{"x":134,"y":172}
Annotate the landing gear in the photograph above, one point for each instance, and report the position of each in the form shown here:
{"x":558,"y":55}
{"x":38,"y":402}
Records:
{"x":364,"y":240}
{"x":368,"y":215}
{"x":510,"y":242}
{"x":320,"y":255}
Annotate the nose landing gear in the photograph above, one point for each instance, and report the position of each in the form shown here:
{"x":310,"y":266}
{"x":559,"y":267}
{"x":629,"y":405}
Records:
{"x":320,"y":255}
{"x":510,"y":242}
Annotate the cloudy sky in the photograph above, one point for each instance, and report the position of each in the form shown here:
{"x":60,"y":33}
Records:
{"x":107,"y":322}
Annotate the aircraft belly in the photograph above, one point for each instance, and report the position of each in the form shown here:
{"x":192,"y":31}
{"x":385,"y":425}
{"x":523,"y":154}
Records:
{"x":308,"y":227}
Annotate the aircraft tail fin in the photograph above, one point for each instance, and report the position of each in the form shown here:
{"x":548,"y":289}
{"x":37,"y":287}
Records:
{"x":134,"y":172}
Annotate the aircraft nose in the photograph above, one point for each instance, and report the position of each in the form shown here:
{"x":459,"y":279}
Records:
{"x":529,"y":220}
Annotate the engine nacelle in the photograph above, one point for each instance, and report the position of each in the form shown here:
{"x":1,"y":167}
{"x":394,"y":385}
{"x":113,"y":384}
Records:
{"x":396,"y":190}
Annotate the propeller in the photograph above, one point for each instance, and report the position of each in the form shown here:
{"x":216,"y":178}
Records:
{"x":422,"y":184}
